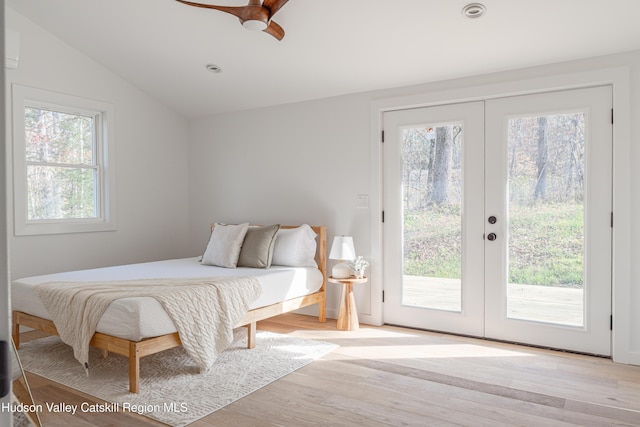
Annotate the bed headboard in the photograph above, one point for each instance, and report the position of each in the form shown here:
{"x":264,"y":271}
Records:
{"x":321,"y":248}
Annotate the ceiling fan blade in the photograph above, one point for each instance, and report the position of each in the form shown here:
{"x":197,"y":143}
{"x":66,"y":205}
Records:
{"x":273,"y":6}
{"x":237,"y":11}
{"x":275,"y":30}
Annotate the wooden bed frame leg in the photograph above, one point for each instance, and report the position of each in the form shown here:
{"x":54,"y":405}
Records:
{"x":15,"y":330}
{"x":322,"y":311}
{"x":251,"y":335}
{"x":134,"y":368}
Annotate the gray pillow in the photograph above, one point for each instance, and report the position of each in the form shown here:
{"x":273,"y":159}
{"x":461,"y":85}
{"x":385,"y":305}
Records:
{"x":224,"y":245}
{"x":257,"y":249}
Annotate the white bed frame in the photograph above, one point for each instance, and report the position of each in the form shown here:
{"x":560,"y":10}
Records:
{"x":136,"y":350}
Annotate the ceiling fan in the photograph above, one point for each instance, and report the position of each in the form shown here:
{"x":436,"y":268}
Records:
{"x":254,"y":16}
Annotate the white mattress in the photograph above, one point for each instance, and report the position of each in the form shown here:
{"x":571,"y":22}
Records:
{"x":144,"y":317}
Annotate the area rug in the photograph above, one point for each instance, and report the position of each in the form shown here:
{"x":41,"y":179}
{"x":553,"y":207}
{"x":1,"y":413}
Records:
{"x":172,"y":390}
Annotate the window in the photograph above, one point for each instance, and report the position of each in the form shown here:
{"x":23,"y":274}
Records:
{"x":63,"y":167}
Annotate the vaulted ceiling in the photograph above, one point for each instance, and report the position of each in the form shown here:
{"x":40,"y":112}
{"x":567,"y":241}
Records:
{"x":331,"y":47}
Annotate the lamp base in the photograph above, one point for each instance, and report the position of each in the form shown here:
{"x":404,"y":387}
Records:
{"x":341,"y":271}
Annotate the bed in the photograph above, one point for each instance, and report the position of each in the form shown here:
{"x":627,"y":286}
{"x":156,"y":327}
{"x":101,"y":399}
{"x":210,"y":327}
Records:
{"x":139,"y":326}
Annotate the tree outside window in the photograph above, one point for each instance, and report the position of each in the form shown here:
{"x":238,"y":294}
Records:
{"x":61,"y":166}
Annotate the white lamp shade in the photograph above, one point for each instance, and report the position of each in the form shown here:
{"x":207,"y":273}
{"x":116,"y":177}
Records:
{"x":342,"y":248}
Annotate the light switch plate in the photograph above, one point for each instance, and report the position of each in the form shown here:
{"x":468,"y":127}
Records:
{"x":362,"y":201}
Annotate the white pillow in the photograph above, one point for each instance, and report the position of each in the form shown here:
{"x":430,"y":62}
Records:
{"x":224,"y":245}
{"x":295,"y":247}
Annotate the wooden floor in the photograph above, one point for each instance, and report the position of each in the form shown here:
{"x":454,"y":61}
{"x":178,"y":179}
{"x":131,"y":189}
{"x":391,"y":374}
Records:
{"x":382,"y":376}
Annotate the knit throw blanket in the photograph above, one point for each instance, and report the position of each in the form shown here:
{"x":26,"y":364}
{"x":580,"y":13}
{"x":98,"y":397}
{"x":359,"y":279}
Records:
{"x":204,"y":310}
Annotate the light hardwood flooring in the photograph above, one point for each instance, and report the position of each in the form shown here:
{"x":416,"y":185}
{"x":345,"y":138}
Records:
{"x":382,"y":376}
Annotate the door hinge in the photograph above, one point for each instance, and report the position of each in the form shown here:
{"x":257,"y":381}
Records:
{"x":382,"y":136}
{"x":611,"y":322}
{"x":611,"y":219}
{"x":612,"y":116}
{"x":382,"y":296}
{"x":382,"y":216}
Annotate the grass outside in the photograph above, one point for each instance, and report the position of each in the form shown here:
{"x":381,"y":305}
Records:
{"x":545,"y":244}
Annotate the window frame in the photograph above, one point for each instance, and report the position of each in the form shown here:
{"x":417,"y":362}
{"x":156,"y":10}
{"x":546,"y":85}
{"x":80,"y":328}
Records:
{"x":103,"y":114}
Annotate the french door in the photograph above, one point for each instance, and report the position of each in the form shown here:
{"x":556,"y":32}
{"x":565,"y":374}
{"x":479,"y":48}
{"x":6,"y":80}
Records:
{"x":498,"y":219}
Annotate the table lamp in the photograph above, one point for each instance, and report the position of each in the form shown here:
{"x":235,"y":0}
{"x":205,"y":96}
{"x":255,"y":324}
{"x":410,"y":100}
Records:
{"x":342,"y":249}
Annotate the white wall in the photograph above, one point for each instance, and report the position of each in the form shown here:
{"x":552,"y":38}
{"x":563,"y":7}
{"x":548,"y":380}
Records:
{"x":293,"y":164}
{"x":306,"y":162}
{"x":151,"y":160}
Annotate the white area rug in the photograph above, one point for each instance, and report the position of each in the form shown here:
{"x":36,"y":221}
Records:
{"x":172,"y":390}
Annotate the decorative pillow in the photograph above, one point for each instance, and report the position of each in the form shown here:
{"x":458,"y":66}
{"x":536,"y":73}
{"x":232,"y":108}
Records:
{"x":257,"y":249}
{"x":295,"y":247}
{"x":224,"y":245}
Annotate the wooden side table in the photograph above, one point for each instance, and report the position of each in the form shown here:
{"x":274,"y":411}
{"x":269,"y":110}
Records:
{"x":348,"y":315}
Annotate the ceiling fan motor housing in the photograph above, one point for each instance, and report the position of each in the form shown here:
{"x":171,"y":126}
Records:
{"x":255,"y":18}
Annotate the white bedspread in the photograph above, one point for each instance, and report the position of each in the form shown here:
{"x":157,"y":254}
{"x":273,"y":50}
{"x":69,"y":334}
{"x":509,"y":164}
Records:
{"x":144,"y":317}
{"x":204,"y":310}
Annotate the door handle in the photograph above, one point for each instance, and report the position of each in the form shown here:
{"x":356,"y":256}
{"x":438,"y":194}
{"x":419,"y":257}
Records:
{"x":492,"y":236}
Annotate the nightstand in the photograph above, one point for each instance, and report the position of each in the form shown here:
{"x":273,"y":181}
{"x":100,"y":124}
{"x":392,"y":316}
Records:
{"x":348,"y":315}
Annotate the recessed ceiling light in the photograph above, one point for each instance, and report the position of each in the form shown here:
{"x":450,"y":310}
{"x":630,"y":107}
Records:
{"x":474,"y":10}
{"x":213,"y":68}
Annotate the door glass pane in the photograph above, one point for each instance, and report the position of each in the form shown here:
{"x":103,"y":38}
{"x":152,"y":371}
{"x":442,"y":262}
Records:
{"x":432,"y":206}
{"x":546,"y":218}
